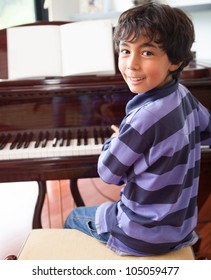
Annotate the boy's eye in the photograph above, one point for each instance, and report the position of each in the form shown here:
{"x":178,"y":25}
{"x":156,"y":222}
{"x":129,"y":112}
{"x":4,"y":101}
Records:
{"x":124,"y":51}
{"x":147,"y":53}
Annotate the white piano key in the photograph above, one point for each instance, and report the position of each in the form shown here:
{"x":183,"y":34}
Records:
{"x":4,"y":154}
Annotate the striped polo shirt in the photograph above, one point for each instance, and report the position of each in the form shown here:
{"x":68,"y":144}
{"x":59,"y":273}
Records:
{"x":156,"y":158}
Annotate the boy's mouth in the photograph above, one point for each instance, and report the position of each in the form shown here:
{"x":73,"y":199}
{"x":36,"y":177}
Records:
{"x":135,"y":80}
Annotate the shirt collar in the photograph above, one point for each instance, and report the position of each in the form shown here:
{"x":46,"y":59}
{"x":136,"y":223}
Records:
{"x":151,"y":95}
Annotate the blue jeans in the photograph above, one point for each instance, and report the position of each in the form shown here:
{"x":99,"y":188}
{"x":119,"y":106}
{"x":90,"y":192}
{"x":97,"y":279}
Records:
{"x":83,"y":219}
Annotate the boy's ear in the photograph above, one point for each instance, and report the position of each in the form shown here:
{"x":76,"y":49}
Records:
{"x":174,"y":67}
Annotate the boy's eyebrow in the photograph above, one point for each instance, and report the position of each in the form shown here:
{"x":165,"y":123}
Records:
{"x":146,"y":44}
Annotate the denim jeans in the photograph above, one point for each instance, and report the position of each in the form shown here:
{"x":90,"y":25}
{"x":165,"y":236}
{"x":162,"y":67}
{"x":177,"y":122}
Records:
{"x":83,"y":219}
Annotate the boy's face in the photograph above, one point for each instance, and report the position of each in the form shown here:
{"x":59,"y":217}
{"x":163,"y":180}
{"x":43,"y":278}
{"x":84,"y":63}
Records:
{"x":144,"y":65}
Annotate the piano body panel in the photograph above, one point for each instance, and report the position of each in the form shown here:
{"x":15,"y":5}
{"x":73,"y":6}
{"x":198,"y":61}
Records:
{"x":49,"y":169}
{"x":205,"y":178}
{"x":201,"y":89}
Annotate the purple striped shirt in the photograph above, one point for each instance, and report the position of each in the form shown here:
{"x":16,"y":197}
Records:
{"x":156,"y":158}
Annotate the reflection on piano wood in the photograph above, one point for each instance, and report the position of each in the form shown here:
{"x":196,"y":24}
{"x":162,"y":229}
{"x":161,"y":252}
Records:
{"x":70,"y":110}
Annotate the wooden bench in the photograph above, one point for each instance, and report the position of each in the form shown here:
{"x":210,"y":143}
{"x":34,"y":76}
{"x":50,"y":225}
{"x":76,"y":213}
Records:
{"x":67,"y":244}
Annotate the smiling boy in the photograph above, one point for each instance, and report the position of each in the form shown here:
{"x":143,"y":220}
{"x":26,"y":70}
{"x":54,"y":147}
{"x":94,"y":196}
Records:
{"x":156,"y":153}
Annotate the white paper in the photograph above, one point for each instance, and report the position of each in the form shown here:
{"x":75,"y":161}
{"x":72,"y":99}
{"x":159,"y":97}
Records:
{"x":34,"y":51}
{"x":60,"y":50}
{"x":89,"y":49}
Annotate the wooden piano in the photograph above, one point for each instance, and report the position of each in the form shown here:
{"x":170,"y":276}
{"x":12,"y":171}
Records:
{"x":74,"y":114}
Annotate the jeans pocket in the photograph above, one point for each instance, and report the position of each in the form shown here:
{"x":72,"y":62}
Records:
{"x":93,"y":232}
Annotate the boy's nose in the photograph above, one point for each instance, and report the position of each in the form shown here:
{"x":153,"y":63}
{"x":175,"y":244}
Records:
{"x":133,"y":63}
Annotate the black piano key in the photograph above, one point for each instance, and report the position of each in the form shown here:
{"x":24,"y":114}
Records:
{"x":108,"y":132}
{"x":15,"y":142}
{"x":63,"y":138}
{"x":69,"y":136}
{"x":56,"y":138}
{"x":4,"y":140}
{"x":79,"y":137}
{"x":22,"y":140}
{"x":2,"y":137}
{"x":95,"y":134}
{"x":28,"y":140}
{"x":85,"y":137}
{"x":102,"y":135}
{"x":45,"y":140}
{"x":39,"y":139}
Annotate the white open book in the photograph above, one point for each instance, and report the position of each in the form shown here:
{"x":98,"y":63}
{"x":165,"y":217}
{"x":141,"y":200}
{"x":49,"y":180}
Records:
{"x":79,"y":48}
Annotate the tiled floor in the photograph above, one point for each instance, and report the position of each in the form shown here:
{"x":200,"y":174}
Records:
{"x":94,"y":191}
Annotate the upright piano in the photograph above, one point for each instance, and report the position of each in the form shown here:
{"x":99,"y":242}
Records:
{"x":53,"y":128}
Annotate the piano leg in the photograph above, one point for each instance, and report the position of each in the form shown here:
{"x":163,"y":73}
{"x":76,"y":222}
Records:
{"x":39,"y":205}
{"x":75,"y":192}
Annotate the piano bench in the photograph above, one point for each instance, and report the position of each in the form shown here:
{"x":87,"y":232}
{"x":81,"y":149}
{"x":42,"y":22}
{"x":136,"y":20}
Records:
{"x":70,"y":244}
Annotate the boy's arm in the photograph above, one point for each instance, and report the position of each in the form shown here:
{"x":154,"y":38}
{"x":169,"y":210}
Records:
{"x":117,"y":157}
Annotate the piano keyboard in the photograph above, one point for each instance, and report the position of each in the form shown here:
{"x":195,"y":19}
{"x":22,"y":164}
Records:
{"x":53,"y":143}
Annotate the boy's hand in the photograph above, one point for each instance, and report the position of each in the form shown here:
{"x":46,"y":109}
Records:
{"x":116,"y":130}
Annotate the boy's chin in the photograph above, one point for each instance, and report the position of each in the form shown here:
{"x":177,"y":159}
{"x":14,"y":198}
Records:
{"x":134,"y":90}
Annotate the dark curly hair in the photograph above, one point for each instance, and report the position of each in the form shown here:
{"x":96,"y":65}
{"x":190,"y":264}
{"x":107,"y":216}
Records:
{"x":170,"y":27}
